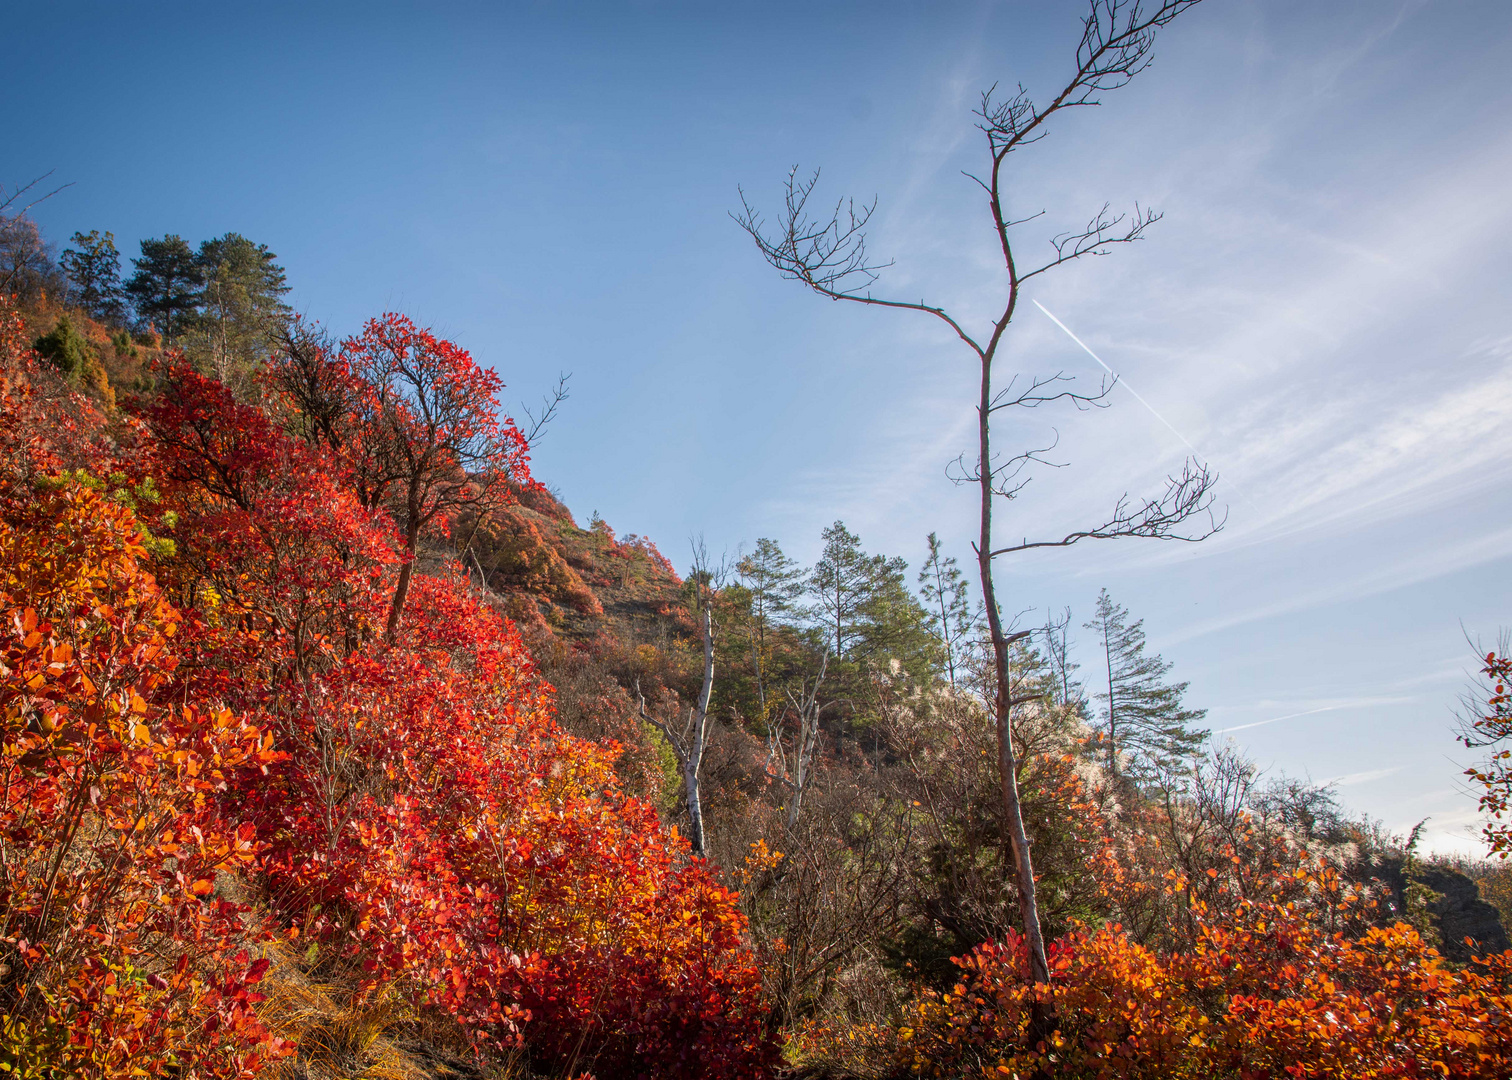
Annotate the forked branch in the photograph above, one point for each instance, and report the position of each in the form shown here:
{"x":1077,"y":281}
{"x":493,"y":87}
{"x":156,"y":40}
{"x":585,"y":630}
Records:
{"x":1117,"y":36}
{"x":1098,"y":238}
{"x":1045,"y":389}
{"x":550,"y":403}
{"x":828,"y":256}
{"x":7,"y":200}
{"x":1188,"y":498}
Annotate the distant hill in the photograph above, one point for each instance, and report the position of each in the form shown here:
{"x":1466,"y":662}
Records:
{"x":578,"y":583}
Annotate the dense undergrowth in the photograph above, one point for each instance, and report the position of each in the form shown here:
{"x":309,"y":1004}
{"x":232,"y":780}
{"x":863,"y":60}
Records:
{"x":292,"y":790}
{"x":219,"y":771}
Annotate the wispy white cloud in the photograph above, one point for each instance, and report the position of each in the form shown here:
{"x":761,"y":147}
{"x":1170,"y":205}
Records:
{"x":1412,"y":568}
{"x":1355,"y":778}
{"x":1333,"y":706}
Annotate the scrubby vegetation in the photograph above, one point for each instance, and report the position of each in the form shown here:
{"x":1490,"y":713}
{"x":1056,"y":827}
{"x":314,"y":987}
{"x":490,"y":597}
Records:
{"x":334,"y":746}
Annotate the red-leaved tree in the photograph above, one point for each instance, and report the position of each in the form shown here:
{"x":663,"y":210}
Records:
{"x":426,"y":439}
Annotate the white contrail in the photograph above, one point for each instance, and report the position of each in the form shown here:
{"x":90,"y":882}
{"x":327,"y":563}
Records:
{"x":1276,"y":719}
{"x":1121,"y":381}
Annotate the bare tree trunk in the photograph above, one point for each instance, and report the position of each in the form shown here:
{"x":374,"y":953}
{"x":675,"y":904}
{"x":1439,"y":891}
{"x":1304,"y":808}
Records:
{"x":401,"y":588}
{"x":694,"y":758}
{"x":1013,"y":813}
{"x":688,"y":746}
{"x":830,"y":257}
{"x":801,"y":774}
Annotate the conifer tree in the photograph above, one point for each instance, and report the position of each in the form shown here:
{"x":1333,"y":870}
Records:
{"x":166,"y":285}
{"x":94,"y":268}
{"x":1146,"y":722}
{"x":863,"y":605}
{"x":841,"y":584}
{"x":242,"y":312}
{"x":946,"y":596}
{"x":773,"y":583}
{"x":895,"y":625}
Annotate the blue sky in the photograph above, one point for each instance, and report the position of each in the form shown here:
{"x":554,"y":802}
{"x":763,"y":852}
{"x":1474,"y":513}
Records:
{"x":1323,"y":311}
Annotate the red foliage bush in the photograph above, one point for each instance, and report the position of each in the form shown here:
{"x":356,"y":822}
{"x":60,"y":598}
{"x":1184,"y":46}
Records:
{"x":430,"y":822}
{"x":1268,"y":992}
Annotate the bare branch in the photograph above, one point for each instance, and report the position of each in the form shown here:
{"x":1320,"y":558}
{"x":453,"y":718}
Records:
{"x":6,"y":200}
{"x":829,"y":257}
{"x":1005,"y":477}
{"x":1098,"y":238}
{"x":1041,"y":391}
{"x":1117,"y":36}
{"x":678,"y":748}
{"x":1188,"y":496}
{"x":549,"y":405}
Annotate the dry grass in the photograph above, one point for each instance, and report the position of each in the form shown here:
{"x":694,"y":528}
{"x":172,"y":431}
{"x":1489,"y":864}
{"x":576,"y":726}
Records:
{"x":340,"y":1036}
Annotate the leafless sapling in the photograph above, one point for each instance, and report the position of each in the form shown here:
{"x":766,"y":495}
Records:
{"x":828,"y":254}
{"x":690,"y":740}
{"x":793,"y":768}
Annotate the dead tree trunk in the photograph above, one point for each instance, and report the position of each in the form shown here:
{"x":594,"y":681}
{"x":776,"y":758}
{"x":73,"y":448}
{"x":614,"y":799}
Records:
{"x":829,"y":256}
{"x":795,"y":771}
{"x":689,"y":743}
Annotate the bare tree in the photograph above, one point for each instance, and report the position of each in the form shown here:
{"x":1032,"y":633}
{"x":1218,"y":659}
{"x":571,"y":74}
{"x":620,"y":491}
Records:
{"x":828,"y":254}
{"x":1057,"y":631}
{"x":795,"y":767}
{"x":26,"y":264}
{"x":689,"y":742}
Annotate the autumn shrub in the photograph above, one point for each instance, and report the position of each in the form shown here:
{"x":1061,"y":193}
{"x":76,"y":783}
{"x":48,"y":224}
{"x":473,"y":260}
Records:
{"x":45,"y":425}
{"x":433,"y":825}
{"x":1266,"y":992}
{"x":431,"y":834}
{"x":117,"y":956}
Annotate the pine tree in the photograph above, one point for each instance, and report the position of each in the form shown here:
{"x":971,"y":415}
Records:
{"x":94,"y":268}
{"x":1146,"y":723}
{"x":242,"y":311}
{"x":841,"y":584}
{"x":895,"y":626}
{"x":166,"y":285}
{"x":773,"y":583}
{"x":946,"y":597}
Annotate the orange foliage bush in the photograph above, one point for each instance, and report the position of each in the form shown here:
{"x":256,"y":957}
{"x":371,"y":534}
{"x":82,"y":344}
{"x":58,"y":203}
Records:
{"x":118,"y":957}
{"x":405,"y":810}
{"x":1267,"y":992}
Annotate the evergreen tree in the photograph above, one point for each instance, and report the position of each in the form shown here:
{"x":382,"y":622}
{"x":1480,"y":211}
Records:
{"x":1145,"y":721}
{"x":895,"y":626}
{"x":772,"y":583}
{"x":241,"y":307}
{"x":64,"y":348}
{"x":946,"y":597}
{"x":864,"y":608}
{"x":841,"y":584}
{"x":166,"y":285}
{"x":94,"y":268}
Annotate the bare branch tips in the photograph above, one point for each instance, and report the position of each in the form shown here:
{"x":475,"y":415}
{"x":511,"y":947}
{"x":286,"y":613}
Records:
{"x":550,"y":403}
{"x":1185,"y":511}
